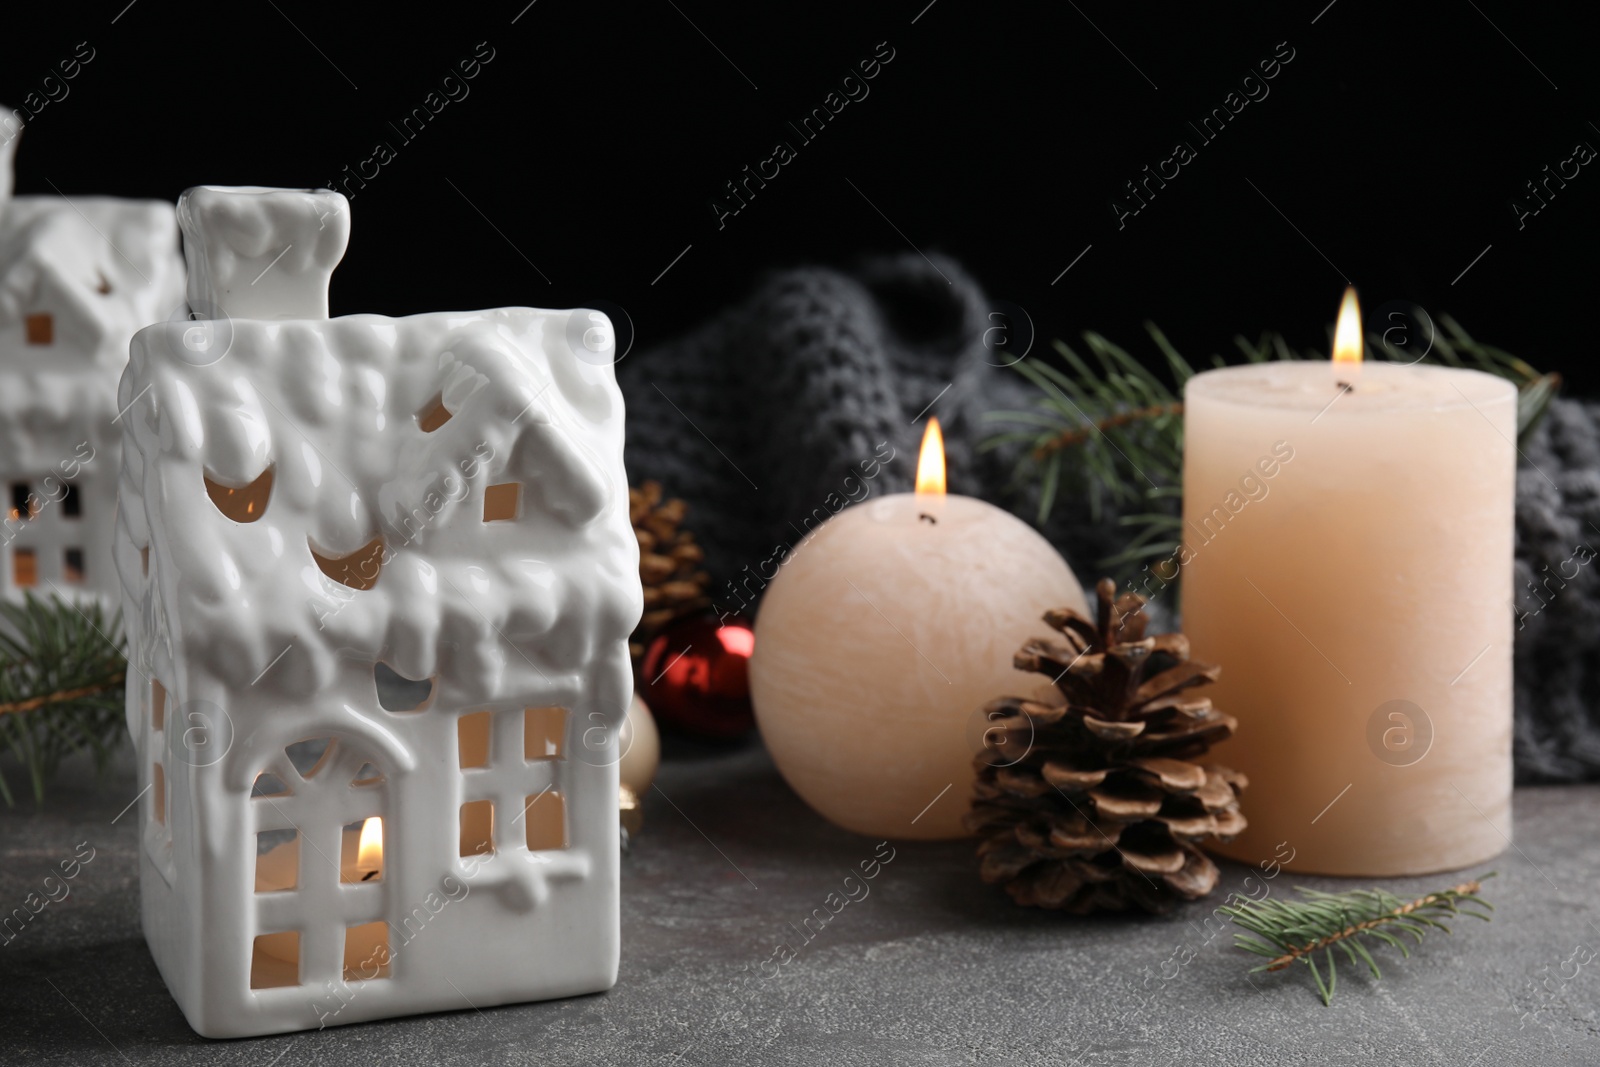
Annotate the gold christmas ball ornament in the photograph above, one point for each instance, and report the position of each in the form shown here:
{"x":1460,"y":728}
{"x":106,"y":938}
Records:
{"x":640,"y":744}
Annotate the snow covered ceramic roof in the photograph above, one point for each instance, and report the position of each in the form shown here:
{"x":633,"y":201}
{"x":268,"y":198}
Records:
{"x":101,"y":268}
{"x":344,"y":415}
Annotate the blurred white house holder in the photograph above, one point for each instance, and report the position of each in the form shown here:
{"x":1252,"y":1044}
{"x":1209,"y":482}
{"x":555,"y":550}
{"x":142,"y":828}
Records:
{"x":379,"y":577}
{"x":78,"y":275}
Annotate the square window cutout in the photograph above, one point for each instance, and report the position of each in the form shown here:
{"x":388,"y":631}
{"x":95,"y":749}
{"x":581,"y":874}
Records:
{"x":544,"y":731}
{"x":72,"y":565}
{"x":472,"y":739}
{"x":24,"y":568}
{"x":23,"y":504}
{"x":366,"y":952}
{"x":275,"y":960}
{"x":500,"y":501}
{"x":546,"y":817}
{"x":477,"y":828}
{"x":277,"y":860}
{"x":40,"y":328}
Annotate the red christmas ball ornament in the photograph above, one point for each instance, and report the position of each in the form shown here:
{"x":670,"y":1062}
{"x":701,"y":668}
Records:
{"x":696,"y":678}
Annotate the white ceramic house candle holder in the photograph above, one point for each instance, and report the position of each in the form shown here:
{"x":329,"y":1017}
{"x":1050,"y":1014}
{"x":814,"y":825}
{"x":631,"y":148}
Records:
{"x":77,"y":277}
{"x":379,"y":578}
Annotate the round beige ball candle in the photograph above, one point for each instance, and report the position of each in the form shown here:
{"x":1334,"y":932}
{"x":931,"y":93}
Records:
{"x":1348,"y":561}
{"x":881,"y":639}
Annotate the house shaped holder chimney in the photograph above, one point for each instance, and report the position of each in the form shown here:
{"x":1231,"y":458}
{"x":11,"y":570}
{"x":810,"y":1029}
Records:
{"x":378,"y":578}
{"x":78,"y":275}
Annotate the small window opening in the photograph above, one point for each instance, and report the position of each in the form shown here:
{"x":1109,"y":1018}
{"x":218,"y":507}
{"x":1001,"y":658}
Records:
{"x":268,"y":784}
{"x":275,"y":960}
{"x":477,"y":828}
{"x":245,"y":503}
{"x":433,"y":415}
{"x":545,"y":815}
{"x":396,"y":692}
{"x":277,"y":861}
{"x":361,"y":851}
{"x":158,"y":793}
{"x":543,"y":730}
{"x":41,"y":328}
{"x":366,"y":952}
{"x":310,"y":756}
{"x":500,"y":501}
{"x":472,"y":737}
{"x":24,"y":568}
{"x":359,"y":569}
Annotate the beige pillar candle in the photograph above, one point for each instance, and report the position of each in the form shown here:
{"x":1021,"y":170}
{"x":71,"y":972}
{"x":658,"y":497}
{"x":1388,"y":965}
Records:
{"x":1348,"y":561}
{"x":881,"y":639}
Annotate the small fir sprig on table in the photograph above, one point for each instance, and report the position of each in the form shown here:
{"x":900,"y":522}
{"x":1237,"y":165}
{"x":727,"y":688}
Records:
{"x":1296,"y":931}
{"x":1110,"y":430}
{"x":61,"y":686}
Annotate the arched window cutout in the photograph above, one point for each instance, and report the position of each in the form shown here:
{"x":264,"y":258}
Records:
{"x":367,"y":776}
{"x":396,"y":692}
{"x":358,"y":570}
{"x":433,"y":414}
{"x":269,"y":785}
{"x":245,"y":503}
{"x":310,"y":756}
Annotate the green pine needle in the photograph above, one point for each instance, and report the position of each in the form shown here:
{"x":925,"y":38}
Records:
{"x":61,"y":686}
{"x":1108,"y":431}
{"x":1297,"y":931}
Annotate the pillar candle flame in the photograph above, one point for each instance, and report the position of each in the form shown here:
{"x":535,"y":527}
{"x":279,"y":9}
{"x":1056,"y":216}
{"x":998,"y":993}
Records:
{"x":1347,"y":333}
{"x":930,"y":463}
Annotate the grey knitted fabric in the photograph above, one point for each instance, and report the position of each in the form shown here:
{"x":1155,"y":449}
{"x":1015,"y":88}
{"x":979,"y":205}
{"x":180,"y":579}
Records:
{"x":782,"y":410}
{"x":1558,"y":597}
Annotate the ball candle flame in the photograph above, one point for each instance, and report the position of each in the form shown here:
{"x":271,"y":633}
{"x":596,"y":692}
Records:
{"x":1348,"y":559}
{"x":881,"y":639}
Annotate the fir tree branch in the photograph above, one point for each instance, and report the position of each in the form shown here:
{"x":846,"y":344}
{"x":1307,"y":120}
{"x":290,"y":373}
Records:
{"x":1067,"y":438}
{"x":62,"y":672}
{"x":62,"y":695}
{"x":1296,"y":931}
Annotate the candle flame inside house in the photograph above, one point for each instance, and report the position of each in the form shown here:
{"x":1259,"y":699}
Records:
{"x":369,"y":853}
{"x":1347,"y":334}
{"x":930,"y":463}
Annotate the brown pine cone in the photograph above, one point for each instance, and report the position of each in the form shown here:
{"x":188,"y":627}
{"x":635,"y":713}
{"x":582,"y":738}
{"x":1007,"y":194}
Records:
{"x":669,"y":565}
{"x":1090,"y":797}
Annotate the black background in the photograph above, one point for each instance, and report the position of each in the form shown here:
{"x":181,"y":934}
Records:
{"x":588,"y":151}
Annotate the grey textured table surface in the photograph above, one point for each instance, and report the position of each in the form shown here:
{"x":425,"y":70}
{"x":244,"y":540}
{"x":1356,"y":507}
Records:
{"x":931,"y":967}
